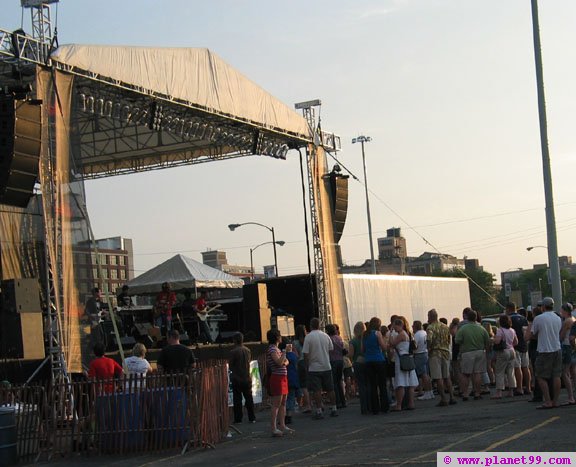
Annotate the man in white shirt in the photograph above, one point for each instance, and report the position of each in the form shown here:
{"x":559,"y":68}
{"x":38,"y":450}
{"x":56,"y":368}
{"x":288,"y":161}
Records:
{"x":548,"y":364}
{"x":317,"y":346}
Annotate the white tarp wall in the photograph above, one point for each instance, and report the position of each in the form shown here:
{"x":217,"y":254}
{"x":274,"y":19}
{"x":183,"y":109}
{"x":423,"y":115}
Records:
{"x":410,"y":296}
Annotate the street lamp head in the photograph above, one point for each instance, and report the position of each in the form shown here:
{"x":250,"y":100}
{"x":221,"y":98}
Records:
{"x":530,"y":248}
{"x":232,"y":227}
{"x":280,"y":242}
{"x":361,"y":139}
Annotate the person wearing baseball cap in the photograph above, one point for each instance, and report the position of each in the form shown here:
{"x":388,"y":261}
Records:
{"x":548,"y":365}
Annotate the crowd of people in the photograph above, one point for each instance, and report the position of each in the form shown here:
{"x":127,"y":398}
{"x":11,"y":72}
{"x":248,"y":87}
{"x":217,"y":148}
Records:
{"x":391,"y":367}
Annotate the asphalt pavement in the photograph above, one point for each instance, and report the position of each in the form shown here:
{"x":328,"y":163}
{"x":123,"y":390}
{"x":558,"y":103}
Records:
{"x":402,"y":438}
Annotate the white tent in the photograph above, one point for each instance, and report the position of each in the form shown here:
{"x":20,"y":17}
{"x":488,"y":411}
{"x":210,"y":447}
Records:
{"x":182,"y":273}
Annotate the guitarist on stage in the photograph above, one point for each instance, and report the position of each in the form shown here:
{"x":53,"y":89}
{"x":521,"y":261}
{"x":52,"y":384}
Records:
{"x":200,"y":307}
{"x":165,"y":300}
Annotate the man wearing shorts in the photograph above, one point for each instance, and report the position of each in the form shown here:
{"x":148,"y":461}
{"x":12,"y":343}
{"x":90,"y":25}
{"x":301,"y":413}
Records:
{"x":317,"y":346}
{"x":522,"y":362}
{"x":439,"y":357}
{"x":473,"y":340}
{"x":548,"y":365}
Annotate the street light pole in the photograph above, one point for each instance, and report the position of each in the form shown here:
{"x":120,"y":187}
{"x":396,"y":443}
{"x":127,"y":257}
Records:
{"x":366,"y":139}
{"x":233,"y":227}
{"x":279,"y":242}
{"x":547,"y":172}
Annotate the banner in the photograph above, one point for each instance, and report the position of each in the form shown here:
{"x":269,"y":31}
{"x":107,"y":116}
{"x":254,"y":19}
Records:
{"x":256,"y":384}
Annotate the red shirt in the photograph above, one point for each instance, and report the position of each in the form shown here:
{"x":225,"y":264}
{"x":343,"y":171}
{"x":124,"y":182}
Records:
{"x":164,"y":302}
{"x":104,"y":368}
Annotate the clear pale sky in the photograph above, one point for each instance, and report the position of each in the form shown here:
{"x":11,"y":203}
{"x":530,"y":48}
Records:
{"x":446,"y":89}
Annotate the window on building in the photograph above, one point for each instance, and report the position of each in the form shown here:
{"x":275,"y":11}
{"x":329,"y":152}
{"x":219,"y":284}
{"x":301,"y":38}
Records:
{"x":113,"y":273}
{"x":122,"y":260}
{"x":122,"y":274}
{"x":112,"y":260}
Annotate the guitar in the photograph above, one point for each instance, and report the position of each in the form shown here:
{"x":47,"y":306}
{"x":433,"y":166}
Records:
{"x":203,"y":315}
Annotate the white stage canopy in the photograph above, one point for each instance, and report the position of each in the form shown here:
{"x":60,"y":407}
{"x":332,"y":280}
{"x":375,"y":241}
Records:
{"x":182,"y":273}
{"x":193,"y":76}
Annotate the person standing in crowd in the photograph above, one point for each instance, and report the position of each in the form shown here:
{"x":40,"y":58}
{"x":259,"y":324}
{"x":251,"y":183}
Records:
{"x":359,"y":367}
{"x":316,"y":349}
{"x":473,"y":341}
{"x":421,"y":361}
{"x":532,"y":342}
{"x":521,"y":362}
{"x":104,"y":369}
{"x":298,"y":345}
{"x":567,"y":323}
{"x":239,"y":365}
{"x":548,"y":364}
{"x":404,"y":381}
{"x":276,"y":363}
{"x":505,"y":357}
{"x":293,"y":384}
{"x":137,"y":365}
{"x":337,"y":364}
{"x":175,"y":357}
{"x":165,"y":300}
{"x":490,"y":354}
{"x":439,"y":338}
{"x":373,"y":348}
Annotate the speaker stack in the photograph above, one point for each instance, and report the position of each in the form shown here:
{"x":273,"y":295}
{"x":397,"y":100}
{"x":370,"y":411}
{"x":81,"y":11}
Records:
{"x":256,"y":310}
{"x":20,"y":146}
{"x":21,"y":324}
{"x":338,"y":189}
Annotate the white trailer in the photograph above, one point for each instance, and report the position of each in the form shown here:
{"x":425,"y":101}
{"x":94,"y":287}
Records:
{"x":410,"y":296}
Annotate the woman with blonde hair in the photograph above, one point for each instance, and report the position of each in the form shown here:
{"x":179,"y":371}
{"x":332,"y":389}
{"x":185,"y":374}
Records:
{"x":136,"y":366}
{"x":403,"y":379}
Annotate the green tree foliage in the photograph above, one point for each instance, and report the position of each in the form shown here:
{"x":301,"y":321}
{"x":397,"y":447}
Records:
{"x":482,"y":296}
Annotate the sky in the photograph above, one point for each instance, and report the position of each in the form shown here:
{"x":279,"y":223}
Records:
{"x":445,"y":88}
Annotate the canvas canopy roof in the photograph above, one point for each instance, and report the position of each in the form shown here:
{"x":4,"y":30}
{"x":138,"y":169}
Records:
{"x":195,"y":76}
{"x":182,"y":273}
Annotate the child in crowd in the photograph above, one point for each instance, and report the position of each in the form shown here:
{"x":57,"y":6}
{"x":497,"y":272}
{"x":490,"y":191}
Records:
{"x":293,"y":385}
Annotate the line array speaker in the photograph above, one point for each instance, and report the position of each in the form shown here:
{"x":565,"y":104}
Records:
{"x":20,"y":145}
{"x":338,"y":188}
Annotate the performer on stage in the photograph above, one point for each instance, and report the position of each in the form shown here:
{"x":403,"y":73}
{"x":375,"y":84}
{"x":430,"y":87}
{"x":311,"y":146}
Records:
{"x":200,"y":309}
{"x":124,"y":299}
{"x":93,"y":307}
{"x":165,"y":300}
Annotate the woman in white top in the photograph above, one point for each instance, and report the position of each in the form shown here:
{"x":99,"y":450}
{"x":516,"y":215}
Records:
{"x":505,"y":358}
{"x":403,"y":379}
{"x":136,"y":366}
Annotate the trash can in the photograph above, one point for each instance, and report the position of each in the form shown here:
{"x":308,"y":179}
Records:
{"x":8,"y":442}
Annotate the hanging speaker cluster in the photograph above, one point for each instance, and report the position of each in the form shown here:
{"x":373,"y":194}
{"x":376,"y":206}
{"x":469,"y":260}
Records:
{"x":20,"y":145}
{"x":338,"y":188}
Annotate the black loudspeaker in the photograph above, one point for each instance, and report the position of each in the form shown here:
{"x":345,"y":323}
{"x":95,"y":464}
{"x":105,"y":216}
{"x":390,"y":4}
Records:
{"x":21,"y":296}
{"x":338,"y":189}
{"x":21,"y":336}
{"x":127,"y":343}
{"x":20,"y":145}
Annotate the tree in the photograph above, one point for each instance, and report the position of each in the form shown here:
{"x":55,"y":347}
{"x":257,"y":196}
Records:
{"x":483,"y":292}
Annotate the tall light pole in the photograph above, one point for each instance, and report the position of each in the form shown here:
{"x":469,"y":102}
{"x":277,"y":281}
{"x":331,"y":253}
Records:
{"x":233,"y":227}
{"x":547,"y":172}
{"x":279,"y":242}
{"x":366,"y":139}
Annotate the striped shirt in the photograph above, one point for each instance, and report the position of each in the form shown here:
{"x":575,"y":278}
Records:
{"x":271,"y":365}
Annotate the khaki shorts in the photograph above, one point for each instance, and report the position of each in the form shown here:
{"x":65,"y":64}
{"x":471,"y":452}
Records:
{"x":548,"y":365}
{"x":473,"y":362}
{"x":522,"y":360}
{"x":439,"y":367}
